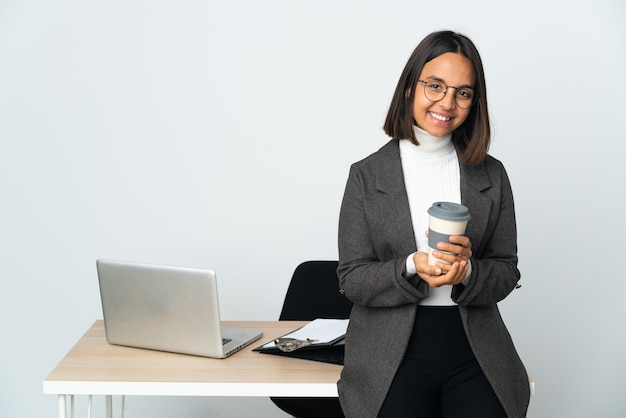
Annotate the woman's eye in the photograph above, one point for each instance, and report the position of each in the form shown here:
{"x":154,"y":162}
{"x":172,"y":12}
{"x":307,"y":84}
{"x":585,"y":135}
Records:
{"x":465,"y":94}
{"x":434,"y":86}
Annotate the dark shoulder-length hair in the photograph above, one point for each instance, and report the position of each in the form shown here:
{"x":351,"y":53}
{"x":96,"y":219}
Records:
{"x":473,"y":137}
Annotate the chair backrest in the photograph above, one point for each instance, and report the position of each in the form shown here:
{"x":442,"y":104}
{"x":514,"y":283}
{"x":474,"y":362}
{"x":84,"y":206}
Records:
{"x":314,"y":293}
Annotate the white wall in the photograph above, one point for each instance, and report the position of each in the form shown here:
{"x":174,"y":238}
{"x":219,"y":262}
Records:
{"x":219,"y":135}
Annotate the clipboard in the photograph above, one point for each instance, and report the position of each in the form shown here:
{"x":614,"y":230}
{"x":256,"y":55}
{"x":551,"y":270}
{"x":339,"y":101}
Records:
{"x":327,"y":342}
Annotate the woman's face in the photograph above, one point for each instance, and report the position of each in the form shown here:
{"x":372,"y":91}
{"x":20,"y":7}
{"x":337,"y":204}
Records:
{"x":443,"y":117}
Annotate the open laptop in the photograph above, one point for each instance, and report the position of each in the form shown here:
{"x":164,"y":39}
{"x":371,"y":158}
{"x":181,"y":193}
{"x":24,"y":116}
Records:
{"x":164,"y":308}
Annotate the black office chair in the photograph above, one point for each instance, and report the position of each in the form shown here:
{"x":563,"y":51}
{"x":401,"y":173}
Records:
{"x":313,"y":293}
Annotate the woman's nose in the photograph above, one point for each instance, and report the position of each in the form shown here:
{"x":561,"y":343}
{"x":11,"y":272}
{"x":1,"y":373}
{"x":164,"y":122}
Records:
{"x":448,"y":101}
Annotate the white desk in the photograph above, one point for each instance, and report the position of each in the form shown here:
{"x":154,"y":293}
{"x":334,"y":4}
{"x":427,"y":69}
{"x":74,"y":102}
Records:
{"x":95,"y":367}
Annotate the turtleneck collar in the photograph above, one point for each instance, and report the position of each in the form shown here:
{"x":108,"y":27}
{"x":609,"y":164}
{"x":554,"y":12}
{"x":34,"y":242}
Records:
{"x":429,"y":146}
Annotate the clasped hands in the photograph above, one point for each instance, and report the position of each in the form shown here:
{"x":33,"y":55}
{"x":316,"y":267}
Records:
{"x":452,"y":269}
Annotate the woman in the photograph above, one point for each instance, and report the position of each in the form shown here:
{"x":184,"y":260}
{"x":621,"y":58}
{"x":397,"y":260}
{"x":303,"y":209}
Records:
{"x":428,"y":340}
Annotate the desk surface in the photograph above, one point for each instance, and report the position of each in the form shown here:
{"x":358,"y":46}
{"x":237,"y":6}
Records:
{"x":93,"y":366}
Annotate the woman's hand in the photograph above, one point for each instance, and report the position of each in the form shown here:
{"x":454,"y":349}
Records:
{"x":452,"y":269}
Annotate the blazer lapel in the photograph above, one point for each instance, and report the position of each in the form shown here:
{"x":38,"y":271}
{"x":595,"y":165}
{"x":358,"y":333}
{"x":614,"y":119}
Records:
{"x":394,"y":203}
{"x":474,"y":181}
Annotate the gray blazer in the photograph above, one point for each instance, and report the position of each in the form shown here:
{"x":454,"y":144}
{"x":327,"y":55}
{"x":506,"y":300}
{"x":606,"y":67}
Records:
{"x":375,"y":238}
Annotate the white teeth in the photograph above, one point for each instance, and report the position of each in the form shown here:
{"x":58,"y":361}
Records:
{"x":439,"y":117}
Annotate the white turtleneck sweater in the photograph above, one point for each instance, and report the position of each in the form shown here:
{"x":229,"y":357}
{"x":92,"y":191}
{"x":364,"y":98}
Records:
{"x":431,"y":174}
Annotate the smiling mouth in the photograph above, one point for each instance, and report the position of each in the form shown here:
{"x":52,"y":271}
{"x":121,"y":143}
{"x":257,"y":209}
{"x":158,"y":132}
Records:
{"x":439,"y":117}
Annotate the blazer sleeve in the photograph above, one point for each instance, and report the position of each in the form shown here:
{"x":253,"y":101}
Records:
{"x":374,"y":241}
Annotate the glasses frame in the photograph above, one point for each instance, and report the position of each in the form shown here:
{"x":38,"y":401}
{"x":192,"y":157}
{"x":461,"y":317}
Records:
{"x":456,"y":101}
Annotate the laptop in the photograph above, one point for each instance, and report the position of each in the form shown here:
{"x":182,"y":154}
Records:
{"x":166,"y":308}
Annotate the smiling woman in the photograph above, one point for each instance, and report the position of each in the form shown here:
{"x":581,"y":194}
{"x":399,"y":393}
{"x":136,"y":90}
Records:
{"x":438,"y":365}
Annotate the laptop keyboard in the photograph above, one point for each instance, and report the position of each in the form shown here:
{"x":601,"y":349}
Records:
{"x":226,"y":341}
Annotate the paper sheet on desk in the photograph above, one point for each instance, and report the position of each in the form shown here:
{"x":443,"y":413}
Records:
{"x":323,"y":331}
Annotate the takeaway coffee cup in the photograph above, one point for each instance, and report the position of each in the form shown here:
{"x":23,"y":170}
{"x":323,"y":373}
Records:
{"x":445,"y":219}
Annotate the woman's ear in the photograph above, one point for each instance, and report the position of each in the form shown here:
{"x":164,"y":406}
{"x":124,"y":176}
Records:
{"x":407,"y":93}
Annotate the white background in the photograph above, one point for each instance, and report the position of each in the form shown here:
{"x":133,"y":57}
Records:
{"x":219,"y":135}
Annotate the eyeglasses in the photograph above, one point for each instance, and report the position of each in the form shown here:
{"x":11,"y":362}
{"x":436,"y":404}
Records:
{"x":435,"y":90}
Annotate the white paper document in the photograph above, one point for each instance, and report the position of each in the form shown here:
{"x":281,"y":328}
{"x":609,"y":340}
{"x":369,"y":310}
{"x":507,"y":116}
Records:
{"x":320,"y":330}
